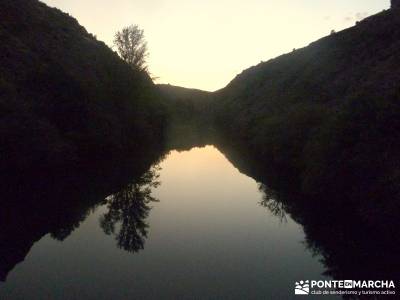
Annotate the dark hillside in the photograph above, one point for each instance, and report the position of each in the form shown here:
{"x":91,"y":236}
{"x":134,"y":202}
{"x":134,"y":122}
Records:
{"x":338,"y":66}
{"x":190,"y":115}
{"x":66,"y":99}
{"x":181,"y":93}
{"x":186,"y":103}
{"x":326,"y":118}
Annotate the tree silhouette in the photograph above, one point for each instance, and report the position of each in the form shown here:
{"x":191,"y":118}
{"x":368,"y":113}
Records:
{"x":132,"y":47}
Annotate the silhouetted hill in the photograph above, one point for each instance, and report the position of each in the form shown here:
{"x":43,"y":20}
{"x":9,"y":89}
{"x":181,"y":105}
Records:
{"x":326,"y":118}
{"x":186,"y":107}
{"x":181,"y":93}
{"x":190,"y":115}
{"x":66,"y":99}
{"x":359,"y":60}
{"x":185,"y":104}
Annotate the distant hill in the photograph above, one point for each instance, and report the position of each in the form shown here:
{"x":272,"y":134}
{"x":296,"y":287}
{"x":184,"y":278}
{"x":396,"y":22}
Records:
{"x":190,"y":116}
{"x":186,"y":104}
{"x":181,"y":93}
{"x":66,"y":99}
{"x":326,"y":118}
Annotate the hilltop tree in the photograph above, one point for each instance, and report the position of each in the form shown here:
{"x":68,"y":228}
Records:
{"x":132,"y":47}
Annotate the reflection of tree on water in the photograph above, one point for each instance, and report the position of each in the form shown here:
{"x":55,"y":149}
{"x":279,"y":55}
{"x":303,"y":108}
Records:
{"x":128,"y":210}
{"x":355,"y":235}
{"x":60,"y":209}
{"x":347,"y":246}
{"x":270,"y":201}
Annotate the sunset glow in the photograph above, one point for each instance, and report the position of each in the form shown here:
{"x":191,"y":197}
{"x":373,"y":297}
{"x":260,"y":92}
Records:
{"x":204,"y":44}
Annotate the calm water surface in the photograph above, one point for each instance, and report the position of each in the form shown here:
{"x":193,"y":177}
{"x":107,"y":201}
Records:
{"x":208,"y":237}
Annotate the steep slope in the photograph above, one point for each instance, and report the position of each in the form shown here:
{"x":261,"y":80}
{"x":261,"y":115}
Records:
{"x":326,"y":118}
{"x":66,"y":99}
{"x":364,"y":57}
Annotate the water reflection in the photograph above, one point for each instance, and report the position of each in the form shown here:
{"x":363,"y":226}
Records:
{"x":271,"y":202}
{"x":128,"y":210}
{"x":32,"y":209}
{"x":353,"y":242}
{"x":348,"y":247}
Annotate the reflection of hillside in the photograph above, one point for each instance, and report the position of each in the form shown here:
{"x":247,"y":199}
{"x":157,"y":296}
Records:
{"x":25,"y":221}
{"x":57,"y":207}
{"x":353,"y":243}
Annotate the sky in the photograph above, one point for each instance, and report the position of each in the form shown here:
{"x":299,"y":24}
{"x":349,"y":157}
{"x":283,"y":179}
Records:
{"x":204,"y":44}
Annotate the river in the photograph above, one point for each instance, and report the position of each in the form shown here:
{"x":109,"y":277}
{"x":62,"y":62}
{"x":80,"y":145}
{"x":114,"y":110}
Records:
{"x":194,"y":227}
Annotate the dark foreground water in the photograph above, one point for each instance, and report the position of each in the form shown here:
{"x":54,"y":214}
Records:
{"x":192,"y":228}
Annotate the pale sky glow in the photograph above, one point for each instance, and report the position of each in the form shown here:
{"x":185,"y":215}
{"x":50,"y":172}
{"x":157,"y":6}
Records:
{"x":205,"y":43}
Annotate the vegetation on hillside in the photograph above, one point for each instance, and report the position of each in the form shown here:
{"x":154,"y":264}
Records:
{"x":326,"y":118}
{"x":66,"y":99}
{"x":187,"y":104}
{"x":322,"y":119}
{"x":132,"y":47}
{"x":190,"y":115}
